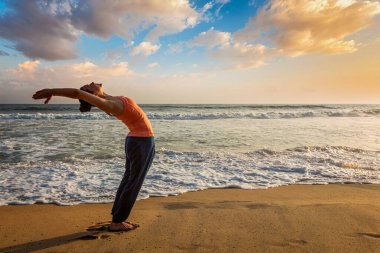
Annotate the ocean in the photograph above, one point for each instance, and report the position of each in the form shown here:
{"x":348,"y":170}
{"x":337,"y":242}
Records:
{"x":55,"y":154}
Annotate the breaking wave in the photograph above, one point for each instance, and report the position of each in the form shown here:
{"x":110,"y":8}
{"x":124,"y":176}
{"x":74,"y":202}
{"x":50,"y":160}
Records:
{"x":73,"y":181}
{"x":200,"y":115}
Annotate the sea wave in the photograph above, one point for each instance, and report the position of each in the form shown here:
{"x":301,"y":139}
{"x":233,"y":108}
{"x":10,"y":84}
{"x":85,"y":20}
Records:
{"x":265,"y":115}
{"x":200,"y":115}
{"x":174,"y":172}
{"x":75,"y":107}
{"x":51,"y":116}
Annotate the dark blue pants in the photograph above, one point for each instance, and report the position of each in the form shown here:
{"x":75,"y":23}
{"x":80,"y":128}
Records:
{"x":139,"y":152}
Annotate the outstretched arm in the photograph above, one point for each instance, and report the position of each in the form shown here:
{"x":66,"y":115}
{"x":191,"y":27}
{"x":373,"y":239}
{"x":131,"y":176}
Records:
{"x":107,"y":105}
{"x":49,"y":93}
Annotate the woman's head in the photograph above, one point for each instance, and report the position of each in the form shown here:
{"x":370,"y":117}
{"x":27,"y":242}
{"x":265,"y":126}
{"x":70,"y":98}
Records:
{"x":93,"y":88}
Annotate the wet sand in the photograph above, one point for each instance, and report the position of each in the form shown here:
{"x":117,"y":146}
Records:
{"x":297,"y":218}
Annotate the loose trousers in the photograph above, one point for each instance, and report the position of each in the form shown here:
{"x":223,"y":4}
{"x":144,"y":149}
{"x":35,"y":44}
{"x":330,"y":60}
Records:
{"x":139,"y":152}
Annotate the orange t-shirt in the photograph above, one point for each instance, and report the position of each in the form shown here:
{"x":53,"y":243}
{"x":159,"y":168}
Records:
{"x":135,"y":119}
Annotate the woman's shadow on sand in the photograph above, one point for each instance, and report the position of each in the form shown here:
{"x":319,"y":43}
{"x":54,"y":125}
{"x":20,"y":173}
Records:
{"x":97,"y":231}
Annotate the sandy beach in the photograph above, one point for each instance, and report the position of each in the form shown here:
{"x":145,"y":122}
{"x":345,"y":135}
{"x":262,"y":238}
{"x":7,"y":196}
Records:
{"x":297,"y":218}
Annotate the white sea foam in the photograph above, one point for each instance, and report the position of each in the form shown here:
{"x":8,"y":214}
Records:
{"x":54,"y":154}
{"x":50,"y":116}
{"x":95,"y":181}
{"x":225,"y":114}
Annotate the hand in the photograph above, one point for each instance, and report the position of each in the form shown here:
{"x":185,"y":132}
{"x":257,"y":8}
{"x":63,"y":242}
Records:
{"x":42,"y":94}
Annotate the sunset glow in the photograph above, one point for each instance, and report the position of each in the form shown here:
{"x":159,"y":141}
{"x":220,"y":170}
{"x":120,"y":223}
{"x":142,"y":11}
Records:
{"x":216,"y":51}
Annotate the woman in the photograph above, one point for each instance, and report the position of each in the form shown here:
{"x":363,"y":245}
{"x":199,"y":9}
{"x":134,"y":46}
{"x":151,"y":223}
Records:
{"x":139,"y":144}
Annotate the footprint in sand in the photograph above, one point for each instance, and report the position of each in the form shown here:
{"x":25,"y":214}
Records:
{"x":292,"y":242}
{"x":372,"y":235}
{"x":102,"y":227}
{"x":297,"y":242}
{"x":98,"y":231}
{"x":98,"y":228}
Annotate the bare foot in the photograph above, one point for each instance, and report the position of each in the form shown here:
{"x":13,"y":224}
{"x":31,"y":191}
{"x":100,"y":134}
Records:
{"x":135,"y":225}
{"x":122,"y":226}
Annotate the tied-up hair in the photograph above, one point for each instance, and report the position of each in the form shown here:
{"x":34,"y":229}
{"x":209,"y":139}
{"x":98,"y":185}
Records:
{"x":85,"y":106}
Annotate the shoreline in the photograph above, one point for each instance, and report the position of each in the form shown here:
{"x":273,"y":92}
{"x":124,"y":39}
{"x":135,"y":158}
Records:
{"x":15,"y":203}
{"x":293,"y":218}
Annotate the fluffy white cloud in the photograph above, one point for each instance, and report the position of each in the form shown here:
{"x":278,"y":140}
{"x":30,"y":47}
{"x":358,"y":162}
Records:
{"x":290,"y":28}
{"x":84,"y":69}
{"x":242,"y":56}
{"x":126,"y":18}
{"x":50,"y":29}
{"x":25,"y":70}
{"x":301,"y":26}
{"x":145,"y":48}
{"x":89,"y":69}
{"x":28,"y":66}
{"x":80,"y":71}
{"x":23,"y":80}
{"x":211,"y":39}
{"x":230,"y":54}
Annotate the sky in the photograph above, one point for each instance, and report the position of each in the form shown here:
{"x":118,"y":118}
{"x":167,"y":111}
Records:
{"x":193,"y":51}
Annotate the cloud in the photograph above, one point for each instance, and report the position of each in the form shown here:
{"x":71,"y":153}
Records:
{"x":127,"y":18}
{"x":242,"y":56}
{"x":21,"y":81}
{"x":211,"y":39}
{"x":25,"y":70}
{"x":49,"y":29}
{"x":252,"y":3}
{"x":289,"y":28}
{"x":89,"y":69}
{"x":230,"y":54}
{"x":28,"y":66}
{"x":211,"y":10}
{"x":145,"y":48}
{"x":207,"y":7}
{"x":303,"y":26}
{"x":176,"y":48}
{"x":114,"y":54}
{"x":36,"y":33}
{"x":3,"y":53}
{"x":153,"y":65}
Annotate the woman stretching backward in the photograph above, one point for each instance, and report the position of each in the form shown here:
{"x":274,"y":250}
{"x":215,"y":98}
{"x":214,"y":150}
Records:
{"x":139,"y":143}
